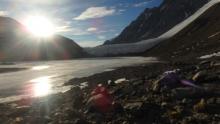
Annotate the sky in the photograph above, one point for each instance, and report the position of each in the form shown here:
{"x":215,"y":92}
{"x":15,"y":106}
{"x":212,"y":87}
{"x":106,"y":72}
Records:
{"x":87,"y":22}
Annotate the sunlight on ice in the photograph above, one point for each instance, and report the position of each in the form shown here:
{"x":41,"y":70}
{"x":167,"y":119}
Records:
{"x":41,"y":86}
{"x":42,"y":67}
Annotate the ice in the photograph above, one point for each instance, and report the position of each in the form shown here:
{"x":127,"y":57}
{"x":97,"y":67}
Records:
{"x":57,"y":73}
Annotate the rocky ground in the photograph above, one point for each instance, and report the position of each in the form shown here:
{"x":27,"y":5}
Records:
{"x":161,"y":93}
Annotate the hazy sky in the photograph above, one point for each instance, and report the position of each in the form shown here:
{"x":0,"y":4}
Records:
{"x":88,"y":22}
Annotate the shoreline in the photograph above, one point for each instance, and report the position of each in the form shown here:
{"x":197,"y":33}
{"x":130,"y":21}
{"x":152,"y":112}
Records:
{"x":136,"y":99}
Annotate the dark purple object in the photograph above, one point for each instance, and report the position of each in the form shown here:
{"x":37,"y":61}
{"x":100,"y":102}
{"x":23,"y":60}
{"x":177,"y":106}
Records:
{"x":172,"y":80}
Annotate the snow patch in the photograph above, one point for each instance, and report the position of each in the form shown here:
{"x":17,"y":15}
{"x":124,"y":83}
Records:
{"x":121,"y":80}
{"x":210,"y":55}
{"x":214,"y":35}
{"x":84,"y":85}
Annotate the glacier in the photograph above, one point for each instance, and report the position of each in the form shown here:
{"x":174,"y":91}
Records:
{"x":139,"y":47}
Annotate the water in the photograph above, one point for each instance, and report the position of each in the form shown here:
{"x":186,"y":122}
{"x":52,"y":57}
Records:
{"x":43,"y":78}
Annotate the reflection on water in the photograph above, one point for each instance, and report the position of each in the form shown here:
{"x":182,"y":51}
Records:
{"x":41,"y":86}
{"x":41,"y":67}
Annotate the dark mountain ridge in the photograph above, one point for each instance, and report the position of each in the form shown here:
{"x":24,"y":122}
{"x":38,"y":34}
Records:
{"x":17,"y":44}
{"x":156,"y":21}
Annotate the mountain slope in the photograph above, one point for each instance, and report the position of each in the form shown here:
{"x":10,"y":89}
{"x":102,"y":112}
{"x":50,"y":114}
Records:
{"x":200,"y":38}
{"x":156,"y":21}
{"x":17,"y":44}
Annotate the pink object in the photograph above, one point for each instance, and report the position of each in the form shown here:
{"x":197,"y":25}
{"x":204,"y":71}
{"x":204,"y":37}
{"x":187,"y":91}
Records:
{"x":101,"y":99}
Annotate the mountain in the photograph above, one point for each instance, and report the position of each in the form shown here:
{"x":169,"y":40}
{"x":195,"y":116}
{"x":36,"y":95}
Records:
{"x":201,"y":37}
{"x":17,"y":44}
{"x":156,"y":21}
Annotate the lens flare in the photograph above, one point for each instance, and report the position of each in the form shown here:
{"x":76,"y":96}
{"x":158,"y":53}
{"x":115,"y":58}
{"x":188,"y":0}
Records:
{"x":39,"y":26}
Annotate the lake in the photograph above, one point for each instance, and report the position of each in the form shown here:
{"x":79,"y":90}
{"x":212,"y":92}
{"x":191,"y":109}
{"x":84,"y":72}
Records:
{"x":47,"y":77}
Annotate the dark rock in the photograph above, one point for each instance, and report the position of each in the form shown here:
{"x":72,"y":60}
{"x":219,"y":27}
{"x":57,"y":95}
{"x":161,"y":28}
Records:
{"x":118,"y":108}
{"x":200,"y":106}
{"x":156,"y":86}
{"x":19,"y":111}
{"x":81,"y":121}
{"x":133,"y":106}
{"x":201,"y":118}
{"x":143,"y":112}
{"x":187,"y":92}
{"x":77,"y":97}
{"x":199,"y":76}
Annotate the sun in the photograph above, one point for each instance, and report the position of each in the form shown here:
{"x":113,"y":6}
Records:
{"x":39,"y":26}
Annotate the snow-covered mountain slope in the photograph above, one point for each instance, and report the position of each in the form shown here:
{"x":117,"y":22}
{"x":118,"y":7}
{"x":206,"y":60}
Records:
{"x":139,"y":47}
{"x":198,"y":39}
{"x":183,"y":24}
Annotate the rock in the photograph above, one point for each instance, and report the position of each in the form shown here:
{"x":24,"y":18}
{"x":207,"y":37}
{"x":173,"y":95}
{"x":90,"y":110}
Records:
{"x":204,"y":64}
{"x":186,"y":101}
{"x":143,"y":112}
{"x":81,"y":121}
{"x":163,"y":104}
{"x":174,"y":114}
{"x":19,"y":120}
{"x":199,"y":76}
{"x":217,"y":100}
{"x":200,"y":106}
{"x":128,"y":89}
{"x":187,"y":92}
{"x":14,"y":105}
{"x":111,"y":83}
{"x":156,"y":86}
{"x":201,"y":117}
{"x":121,"y":80}
{"x":133,"y":106}
{"x":118,"y":108}
{"x":77,"y":97}
{"x":134,"y":109}
{"x":84,"y":85}
{"x":211,"y":101}
{"x":47,"y":119}
{"x":19,"y":111}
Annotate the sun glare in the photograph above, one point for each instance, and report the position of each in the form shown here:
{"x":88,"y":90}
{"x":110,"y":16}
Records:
{"x":41,"y":67}
{"x":39,"y":26}
{"x":42,"y":86}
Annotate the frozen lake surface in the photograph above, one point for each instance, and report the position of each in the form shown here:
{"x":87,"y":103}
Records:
{"x":46,"y":77}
